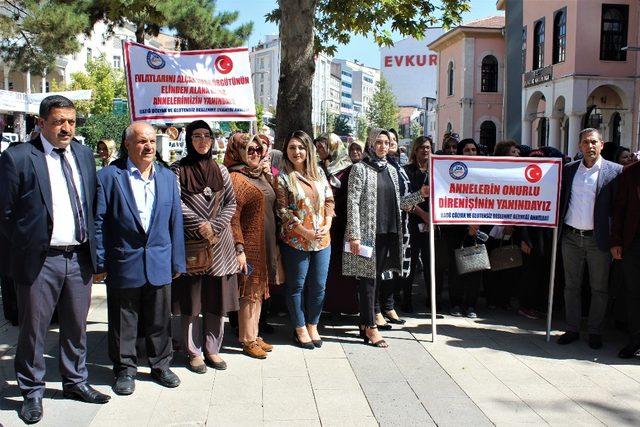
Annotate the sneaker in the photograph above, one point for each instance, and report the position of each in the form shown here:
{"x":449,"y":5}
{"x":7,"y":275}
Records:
{"x":528,"y":313}
{"x":471,"y":313}
{"x":455,"y":311}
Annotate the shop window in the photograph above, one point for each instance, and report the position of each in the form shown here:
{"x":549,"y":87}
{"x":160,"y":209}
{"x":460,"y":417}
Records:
{"x":613,"y":35}
{"x":559,"y":36}
{"x":489,"y":74}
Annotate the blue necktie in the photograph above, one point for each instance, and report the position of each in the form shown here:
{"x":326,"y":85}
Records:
{"x":76,"y":205}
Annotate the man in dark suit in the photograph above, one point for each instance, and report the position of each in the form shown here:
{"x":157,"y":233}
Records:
{"x":140,"y":247}
{"x":51,"y":250}
{"x":625,"y":245}
{"x":588,"y":187}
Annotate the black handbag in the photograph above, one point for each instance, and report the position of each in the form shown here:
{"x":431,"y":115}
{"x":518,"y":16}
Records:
{"x":505,"y":257}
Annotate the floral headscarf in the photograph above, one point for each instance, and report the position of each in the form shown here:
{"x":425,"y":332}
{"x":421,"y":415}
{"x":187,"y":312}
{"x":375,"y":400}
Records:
{"x":338,"y":159}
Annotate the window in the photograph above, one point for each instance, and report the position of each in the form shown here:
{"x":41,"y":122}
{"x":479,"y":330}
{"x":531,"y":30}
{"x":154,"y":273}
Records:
{"x":346,"y":73}
{"x":613,"y":36}
{"x":524,"y":49}
{"x":116,"y":61}
{"x":538,"y":45}
{"x":559,"y":36}
{"x":449,"y":127}
{"x":450,"y":79}
{"x":489,"y":74}
{"x":346,"y":95}
{"x":345,"y":84}
{"x":488,"y":135}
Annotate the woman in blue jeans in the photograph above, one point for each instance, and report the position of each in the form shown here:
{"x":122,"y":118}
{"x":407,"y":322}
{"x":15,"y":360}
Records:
{"x":305,"y":207}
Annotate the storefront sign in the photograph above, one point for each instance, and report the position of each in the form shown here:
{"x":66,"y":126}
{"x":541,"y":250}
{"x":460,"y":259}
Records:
{"x":167,"y":86}
{"x":495,"y":190}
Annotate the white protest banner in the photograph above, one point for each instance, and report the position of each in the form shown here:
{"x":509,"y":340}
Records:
{"x":166,"y":86}
{"x":495,"y":190}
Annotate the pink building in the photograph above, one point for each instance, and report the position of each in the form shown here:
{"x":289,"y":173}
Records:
{"x":576,"y":72}
{"x":470,"y":81}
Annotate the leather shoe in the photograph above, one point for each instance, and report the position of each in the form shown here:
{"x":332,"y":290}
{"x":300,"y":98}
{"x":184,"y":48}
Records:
{"x":595,"y":341}
{"x":31,"y":411}
{"x":124,"y":385}
{"x":568,"y":337}
{"x":165,"y":377}
{"x":86,"y":393}
{"x":629,"y":351}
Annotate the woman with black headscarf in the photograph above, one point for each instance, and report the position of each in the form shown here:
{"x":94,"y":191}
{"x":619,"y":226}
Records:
{"x":208,"y":203}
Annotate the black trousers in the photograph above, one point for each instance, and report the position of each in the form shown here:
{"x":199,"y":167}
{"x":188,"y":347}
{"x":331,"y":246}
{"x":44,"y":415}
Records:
{"x":463,"y":288}
{"x":151,"y":307}
{"x":9,"y":299}
{"x":65,"y":279}
{"x":385,"y":243}
{"x":631,"y":268}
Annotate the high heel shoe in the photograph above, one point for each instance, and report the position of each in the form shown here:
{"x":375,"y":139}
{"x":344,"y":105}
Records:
{"x":381,"y":343}
{"x":308,"y":345}
{"x":393,"y":320}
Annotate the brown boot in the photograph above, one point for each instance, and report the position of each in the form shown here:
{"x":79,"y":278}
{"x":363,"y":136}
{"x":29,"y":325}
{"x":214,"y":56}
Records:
{"x":252,"y":349}
{"x":264,"y":345}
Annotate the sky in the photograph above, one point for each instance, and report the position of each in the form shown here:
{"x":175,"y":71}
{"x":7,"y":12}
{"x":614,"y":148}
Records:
{"x":360,"y":48}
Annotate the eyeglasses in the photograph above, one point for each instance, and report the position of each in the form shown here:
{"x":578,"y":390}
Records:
{"x":255,"y":150}
{"x":200,"y":137}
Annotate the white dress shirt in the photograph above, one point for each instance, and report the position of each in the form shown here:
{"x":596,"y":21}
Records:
{"x":583,"y":196}
{"x":144,"y":192}
{"x":64,"y":228}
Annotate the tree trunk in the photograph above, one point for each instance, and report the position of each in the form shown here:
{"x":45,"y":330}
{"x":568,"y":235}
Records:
{"x":140,"y":33}
{"x":297,"y":66}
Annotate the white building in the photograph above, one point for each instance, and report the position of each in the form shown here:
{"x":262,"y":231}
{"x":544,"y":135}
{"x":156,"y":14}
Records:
{"x":411,"y":68}
{"x":358,"y":84}
{"x":265,"y":70}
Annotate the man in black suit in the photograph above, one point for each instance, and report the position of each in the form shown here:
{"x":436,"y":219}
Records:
{"x":46,"y":216}
{"x":588,"y":188}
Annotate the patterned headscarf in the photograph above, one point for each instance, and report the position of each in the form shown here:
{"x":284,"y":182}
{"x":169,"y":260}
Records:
{"x":338,"y":159}
{"x":370,"y":149}
{"x":235,"y":158}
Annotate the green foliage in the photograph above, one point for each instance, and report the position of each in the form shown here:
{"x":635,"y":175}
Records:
{"x":34,"y":32}
{"x":337,"y":20}
{"x":259,"y":116}
{"x":341,"y":126}
{"x":362,"y":128}
{"x":107,"y":125}
{"x":195,"y":22}
{"x":383,"y":110}
{"x":105,"y":82}
{"x":416,"y":130}
{"x":331,"y":121}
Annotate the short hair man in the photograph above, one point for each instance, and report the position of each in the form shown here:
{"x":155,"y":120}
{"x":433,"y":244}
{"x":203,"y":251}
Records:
{"x":46,"y":216}
{"x":588,"y":187}
{"x":140,"y":247}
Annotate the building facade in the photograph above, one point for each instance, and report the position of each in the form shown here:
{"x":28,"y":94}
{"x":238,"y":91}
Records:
{"x":470,"y":81}
{"x":357,"y":85}
{"x":264,"y":59}
{"x":578,"y":73}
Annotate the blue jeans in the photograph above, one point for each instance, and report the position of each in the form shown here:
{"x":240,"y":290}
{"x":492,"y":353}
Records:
{"x":305,"y":281}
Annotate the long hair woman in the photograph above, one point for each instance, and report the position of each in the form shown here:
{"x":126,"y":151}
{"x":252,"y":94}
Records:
{"x":374,"y":227}
{"x":208,"y":203}
{"x":254,"y":233}
{"x":305,"y":206}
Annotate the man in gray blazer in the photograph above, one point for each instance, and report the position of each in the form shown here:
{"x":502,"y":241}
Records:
{"x":588,"y":188}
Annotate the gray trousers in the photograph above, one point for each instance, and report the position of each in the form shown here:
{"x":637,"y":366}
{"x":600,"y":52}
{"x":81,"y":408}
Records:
{"x":192,"y":333}
{"x":65,"y":280}
{"x":576,"y":251}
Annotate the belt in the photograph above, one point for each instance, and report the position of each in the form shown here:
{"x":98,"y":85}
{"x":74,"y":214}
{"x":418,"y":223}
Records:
{"x":583,"y":233}
{"x":67,"y":249}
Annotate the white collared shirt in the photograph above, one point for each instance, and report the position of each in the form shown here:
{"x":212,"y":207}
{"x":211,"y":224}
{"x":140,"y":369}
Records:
{"x":64,"y":227}
{"x":144,"y":192}
{"x":583,"y":196}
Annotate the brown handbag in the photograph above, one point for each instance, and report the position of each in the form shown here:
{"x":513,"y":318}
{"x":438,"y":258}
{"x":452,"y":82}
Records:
{"x":199,"y":254}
